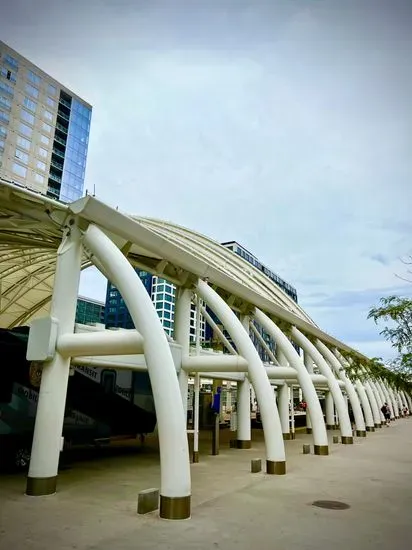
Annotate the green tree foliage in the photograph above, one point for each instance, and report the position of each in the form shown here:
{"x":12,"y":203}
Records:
{"x":397,"y":312}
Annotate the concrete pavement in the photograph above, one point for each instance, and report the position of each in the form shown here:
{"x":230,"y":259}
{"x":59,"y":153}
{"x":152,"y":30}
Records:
{"x":232,"y":508}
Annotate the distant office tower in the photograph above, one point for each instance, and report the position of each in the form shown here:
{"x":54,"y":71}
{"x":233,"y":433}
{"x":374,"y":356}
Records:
{"x":162,"y":293}
{"x":89,"y":312}
{"x":286,"y":287}
{"x":44,"y":130}
{"x":245,"y":254}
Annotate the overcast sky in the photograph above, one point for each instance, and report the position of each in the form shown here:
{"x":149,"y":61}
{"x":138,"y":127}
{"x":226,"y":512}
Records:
{"x":285,"y":125}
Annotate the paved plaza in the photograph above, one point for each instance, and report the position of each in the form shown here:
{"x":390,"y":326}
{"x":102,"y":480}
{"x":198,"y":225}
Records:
{"x":96,"y":502}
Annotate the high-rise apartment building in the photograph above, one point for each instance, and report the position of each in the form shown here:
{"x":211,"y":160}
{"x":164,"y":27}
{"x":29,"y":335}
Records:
{"x":44,"y":130}
{"x":163,"y":295}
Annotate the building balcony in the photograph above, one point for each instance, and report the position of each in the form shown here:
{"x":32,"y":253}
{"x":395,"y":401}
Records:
{"x":56,"y":164}
{"x":58,"y":152}
{"x":61,"y":128}
{"x":55,"y":177}
{"x":60,"y":140}
{"x":63,"y":115}
{"x":65,"y":103}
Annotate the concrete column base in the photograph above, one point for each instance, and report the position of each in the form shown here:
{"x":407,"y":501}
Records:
{"x":308,"y":430}
{"x":360,"y":433}
{"x":41,"y":486}
{"x":347,"y":440}
{"x":175,"y":507}
{"x":275,"y":468}
{"x":321,"y":450}
{"x":195,"y":457}
{"x":378,"y":425}
{"x":330,"y":426}
{"x":243,"y":444}
{"x":370,"y":428}
{"x":287,"y":437}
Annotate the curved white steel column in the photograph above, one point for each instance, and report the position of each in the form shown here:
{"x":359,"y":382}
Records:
{"x":275,"y":448}
{"x":174,"y":451}
{"x":307,"y":359}
{"x":387,"y":397}
{"x":366,"y":406}
{"x":330,"y":411}
{"x":379,"y":400}
{"x":44,"y":461}
{"x":394,"y":399}
{"x":283,"y":406}
{"x":244,"y":426}
{"x":373,"y":403}
{"x":320,"y":436}
{"x":182,"y":337}
{"x":344,"y":420}
{"x":244,"y":431}
{"x":350,"y":390}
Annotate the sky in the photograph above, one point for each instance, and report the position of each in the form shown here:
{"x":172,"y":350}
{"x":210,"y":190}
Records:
{"x":285,"y":125}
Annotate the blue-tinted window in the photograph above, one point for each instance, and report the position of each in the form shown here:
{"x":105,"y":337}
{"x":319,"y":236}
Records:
{"x":19,"y":170}
{"x":8,"y":74}
{"x":27,"y":117}
{"x":5,"y":103}
{"x":34,"y":92}
{"x":4,"y":117}
{"x":167,"y":305}
{"x":4,"y":87}
{"x":33,"y":77}
{"x":25,"y":130}
{"x":3,"y":131}
{"x":29,"y":104}
{"x":11,"y":61}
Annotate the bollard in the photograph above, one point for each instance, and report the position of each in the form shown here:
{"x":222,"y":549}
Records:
{"x":335,"y":439}
{"x":148,"y":501}
{"x":255,"y":465}
{"x":306,"y":449}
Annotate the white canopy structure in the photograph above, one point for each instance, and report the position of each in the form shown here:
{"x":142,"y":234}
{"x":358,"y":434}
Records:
{"x":43,"y":247}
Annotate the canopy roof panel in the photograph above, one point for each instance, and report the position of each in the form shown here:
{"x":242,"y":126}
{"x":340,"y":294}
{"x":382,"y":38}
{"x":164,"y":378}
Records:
{"x":31,"y":231}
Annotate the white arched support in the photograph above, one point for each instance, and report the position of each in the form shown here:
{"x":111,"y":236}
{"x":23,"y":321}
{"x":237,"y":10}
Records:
{"x":392,"y":395}
{"x":379,"y":400}
{"x":366,"y":405}
{"x":384,"y":389}
{"x":350,"y":390}
{"x":330,"y":411}
{"x":175,"y":486}
{"x":320,"y":437}
{"x":182,"y":337}
{"x":275,"y":449}
{"x":344,"y":424}
{"x":307,"y":359}
{"x":47,"y":440}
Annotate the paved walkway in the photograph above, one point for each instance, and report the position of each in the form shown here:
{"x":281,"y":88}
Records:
{"x":96,"y":503}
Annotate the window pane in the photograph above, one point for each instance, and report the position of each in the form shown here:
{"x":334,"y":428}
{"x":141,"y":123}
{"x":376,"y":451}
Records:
{"x":48,"y":115}
{"x":4,"y":117}
{"x":23,"y":157}
{"x":52,"y":90}
{"x":6,"y":88}
{"x":33,"y":77}
{"x":25,"y":130}
{"x":41,"y":165}
{"x":27,"y":117}
{"x":39,"y":178}
{"x":3,"y":131}
{"x":51,"y":102}
{"x":32,"y":90}
{"x":11,"y":61}
{"x":19,"y":170}
{"x":45,"y":140}
{"x":42,"y":152}
{"x":31,"y":105}
{"x":46,"y":127}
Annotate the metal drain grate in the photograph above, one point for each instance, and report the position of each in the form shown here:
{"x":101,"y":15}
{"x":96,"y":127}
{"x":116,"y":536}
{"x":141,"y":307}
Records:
{"x":331,"y":504}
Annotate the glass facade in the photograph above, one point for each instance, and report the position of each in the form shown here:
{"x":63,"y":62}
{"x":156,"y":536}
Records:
{"x":75,"y":156}
{"x":89,"y":312}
